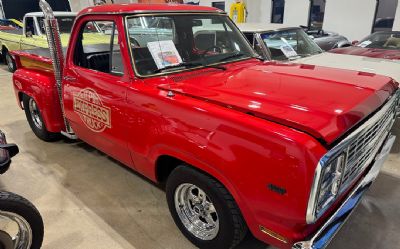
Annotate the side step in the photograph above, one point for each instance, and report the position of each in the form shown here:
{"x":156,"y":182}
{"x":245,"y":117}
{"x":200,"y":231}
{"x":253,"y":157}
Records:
{"x":71,"y":136}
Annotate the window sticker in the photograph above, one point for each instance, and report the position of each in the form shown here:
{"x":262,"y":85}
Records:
{"x":287,"y":50}
{"x":164,"y":53}
{"x":365,"y":44}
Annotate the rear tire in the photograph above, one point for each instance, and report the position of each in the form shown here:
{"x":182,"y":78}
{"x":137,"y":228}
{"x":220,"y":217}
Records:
{"x":35,"y":120}
{"x":204,"y":210}
{"x":18,"y":207}
{"x":9,"y":60}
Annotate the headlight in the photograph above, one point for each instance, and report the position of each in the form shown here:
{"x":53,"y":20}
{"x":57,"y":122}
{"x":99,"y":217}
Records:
{"x":331,"y":178}
{"x":326,"y":186}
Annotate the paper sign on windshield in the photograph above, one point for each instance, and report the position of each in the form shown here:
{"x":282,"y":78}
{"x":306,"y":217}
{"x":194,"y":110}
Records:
{"x":164,"y":53}
{"x":288,"y":51}
{"x":365,"y":44}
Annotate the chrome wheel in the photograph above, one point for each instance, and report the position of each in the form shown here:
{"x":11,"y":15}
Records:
{"x":196,"y":211}
{"x":16,"y":231}
{"x":34,"y":110}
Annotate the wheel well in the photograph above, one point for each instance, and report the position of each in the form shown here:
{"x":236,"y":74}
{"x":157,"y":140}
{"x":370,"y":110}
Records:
{"x":3,"y":49}
{"x":20,"y":98}
{"x":164,"y":166}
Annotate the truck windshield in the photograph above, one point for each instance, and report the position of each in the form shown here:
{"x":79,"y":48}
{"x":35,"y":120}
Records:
{"x":383,"y":40}
{"x":64,"y":22}
{"x":170,"y":43}
{"x":290,"y":44}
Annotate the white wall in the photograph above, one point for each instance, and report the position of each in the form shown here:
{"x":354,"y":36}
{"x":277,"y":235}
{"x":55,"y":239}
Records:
{"x":296,"y":12}
{"x":352,"y":19}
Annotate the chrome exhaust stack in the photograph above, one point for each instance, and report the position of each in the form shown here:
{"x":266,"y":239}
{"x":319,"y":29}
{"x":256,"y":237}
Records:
{"x":57,"y":56}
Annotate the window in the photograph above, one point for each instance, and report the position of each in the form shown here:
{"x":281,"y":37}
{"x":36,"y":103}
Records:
{"x":164,"y":44}
{"x":289,"y":44}
{"x":30,"y":26}
{"x":99,"y":51}
{"x":278,"y":10}
{"x":317,"y":14}
{"x":64,"y":23}
{"x":254,"y":42}
{"x":382,"y":40}
{"x":385,"y":14}
{"x":219,"y":5}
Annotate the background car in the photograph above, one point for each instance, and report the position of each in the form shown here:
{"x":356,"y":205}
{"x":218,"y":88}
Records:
{"x":383,"y":44}
{"x":278,"y":42}
{"x":327,"y":40}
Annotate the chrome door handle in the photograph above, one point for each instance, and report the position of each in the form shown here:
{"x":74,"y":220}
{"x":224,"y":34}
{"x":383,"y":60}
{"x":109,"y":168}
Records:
{"x":69,"y":78}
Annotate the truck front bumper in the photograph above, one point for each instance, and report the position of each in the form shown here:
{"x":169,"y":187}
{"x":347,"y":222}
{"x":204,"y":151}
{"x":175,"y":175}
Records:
{"x":325,"y":234}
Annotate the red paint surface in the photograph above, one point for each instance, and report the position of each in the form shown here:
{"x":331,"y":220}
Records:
{"x":369,"y":52}
{"x":249,"y":126}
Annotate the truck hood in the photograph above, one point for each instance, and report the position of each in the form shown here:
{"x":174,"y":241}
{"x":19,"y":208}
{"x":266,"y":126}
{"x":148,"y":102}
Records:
{"x":385,"y":67}
{"x":389,"y":54}
{"x":322,"y":102}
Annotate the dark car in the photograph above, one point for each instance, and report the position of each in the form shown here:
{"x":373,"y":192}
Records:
{"x":327,"y":40}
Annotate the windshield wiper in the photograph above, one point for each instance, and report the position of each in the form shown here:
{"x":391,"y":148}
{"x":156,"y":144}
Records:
{"x":235,"y":55}
{"x":187,"y":65}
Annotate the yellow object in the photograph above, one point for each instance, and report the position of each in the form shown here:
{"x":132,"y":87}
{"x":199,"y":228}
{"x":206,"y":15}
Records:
{"x":12,"y":41}
{"x":238,"y":12}
{"x":20,"y":24}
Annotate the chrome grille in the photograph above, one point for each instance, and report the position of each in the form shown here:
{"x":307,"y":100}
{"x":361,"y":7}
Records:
{"x":361,"y":149}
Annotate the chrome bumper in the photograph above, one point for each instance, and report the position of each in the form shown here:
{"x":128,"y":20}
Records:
{"x":326,"y":233}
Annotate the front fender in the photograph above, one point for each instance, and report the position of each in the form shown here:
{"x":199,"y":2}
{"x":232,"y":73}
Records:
{"x":41,"y":87}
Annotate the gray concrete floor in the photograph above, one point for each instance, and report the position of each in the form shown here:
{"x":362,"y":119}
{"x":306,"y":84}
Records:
{"x":90,"y":201}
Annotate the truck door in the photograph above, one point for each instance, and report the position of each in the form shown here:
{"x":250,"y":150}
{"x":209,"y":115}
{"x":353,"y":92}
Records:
{"x":95,"y":87}
{"x":30,"y":35}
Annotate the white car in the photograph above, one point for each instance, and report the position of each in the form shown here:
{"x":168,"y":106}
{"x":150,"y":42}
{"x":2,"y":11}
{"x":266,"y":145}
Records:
{"x":282,"y":43}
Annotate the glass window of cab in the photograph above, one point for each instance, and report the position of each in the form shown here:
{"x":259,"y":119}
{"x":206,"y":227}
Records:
{"x":169,"y":43}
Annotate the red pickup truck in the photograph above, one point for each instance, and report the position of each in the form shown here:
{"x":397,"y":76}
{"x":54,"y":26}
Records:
{"x":177,"y":94}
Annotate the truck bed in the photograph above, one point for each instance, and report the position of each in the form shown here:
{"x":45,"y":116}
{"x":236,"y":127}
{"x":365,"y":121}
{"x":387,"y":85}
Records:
{"x":40,"y":59}
{"x":13,"y":31}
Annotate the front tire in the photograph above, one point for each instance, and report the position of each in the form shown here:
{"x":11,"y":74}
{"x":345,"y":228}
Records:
{"x":9,"y":60}
{"x":19,"y":212}
{"x":204,"y":210}
{"x":35,"y":120}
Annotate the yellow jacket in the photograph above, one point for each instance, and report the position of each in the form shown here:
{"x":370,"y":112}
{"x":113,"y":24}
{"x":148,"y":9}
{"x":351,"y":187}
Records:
{"x":238,"y":12}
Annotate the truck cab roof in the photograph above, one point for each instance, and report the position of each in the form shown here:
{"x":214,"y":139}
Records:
{"x":146,"y":8}
{"x":56,"y":13}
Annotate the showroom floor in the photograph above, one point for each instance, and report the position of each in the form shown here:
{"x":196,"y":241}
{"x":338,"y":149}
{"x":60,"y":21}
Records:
{"x":90,"y":201}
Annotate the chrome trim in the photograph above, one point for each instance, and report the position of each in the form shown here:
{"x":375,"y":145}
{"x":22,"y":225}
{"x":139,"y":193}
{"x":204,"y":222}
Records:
{"x":328,"y":230}
{"x":56,"y":53}
{"x":140,"y":12}
{"x":266,"y":52}
{"x":311,"y":216}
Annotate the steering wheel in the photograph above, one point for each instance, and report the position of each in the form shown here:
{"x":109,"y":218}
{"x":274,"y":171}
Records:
{"x":134,"y":42}
{"x":203,"y":54}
